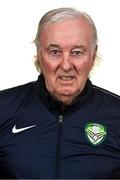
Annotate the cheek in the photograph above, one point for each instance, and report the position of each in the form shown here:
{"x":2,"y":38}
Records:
{"x":46,"y":67}
{"x":84,"y":67}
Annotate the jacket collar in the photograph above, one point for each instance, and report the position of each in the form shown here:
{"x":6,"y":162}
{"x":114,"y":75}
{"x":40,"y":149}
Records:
{"x":56,"y":106}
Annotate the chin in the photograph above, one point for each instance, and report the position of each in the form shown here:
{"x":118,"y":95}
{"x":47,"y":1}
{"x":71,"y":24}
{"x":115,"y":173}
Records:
{"x":67,"y":92}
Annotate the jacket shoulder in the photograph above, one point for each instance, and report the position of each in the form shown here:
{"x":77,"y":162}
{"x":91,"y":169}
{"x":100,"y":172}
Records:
{"x":12,"y":96}
{"x":106,"y":96}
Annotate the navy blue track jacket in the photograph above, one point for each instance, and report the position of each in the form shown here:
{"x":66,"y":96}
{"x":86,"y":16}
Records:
{"x":40,"y":140}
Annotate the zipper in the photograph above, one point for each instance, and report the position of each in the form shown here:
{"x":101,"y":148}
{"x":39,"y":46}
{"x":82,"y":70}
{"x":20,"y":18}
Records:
{"x":58,"y":149}
{"x":60,"y":119}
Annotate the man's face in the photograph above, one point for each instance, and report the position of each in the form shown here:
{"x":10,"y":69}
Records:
{"x":66,"y":56}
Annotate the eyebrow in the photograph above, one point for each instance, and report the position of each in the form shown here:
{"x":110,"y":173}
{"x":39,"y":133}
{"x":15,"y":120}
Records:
{"x":74,"y":47}
{"x":53,"y":46}
{"x":79,"y":47}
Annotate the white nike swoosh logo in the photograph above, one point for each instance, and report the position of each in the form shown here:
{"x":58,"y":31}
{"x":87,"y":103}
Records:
{"x":15,"y":130}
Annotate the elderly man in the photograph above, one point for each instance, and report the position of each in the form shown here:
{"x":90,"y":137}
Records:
{"x":61,"y":126}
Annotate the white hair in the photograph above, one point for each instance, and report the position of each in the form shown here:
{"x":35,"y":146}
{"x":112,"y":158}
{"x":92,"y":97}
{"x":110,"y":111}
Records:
{"x":59,"y":15}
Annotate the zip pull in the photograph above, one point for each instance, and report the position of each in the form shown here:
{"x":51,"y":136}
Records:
{"x":60,"y":119}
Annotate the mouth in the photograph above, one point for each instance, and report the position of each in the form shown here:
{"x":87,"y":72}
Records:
{"x":66,"y":78}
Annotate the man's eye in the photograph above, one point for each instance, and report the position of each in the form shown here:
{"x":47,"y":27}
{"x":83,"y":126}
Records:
{"x":55,"y":52}
{"x":76,"y":53}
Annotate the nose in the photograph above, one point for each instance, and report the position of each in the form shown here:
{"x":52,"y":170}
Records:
{"x":66,"y":63}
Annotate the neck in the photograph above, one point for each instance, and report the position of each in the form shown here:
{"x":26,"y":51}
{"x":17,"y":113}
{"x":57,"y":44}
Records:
{"x":65,"y":100}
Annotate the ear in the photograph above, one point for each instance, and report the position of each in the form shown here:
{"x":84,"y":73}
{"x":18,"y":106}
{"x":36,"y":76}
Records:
{"x":94,"y":55}
{"x":38,"y":61}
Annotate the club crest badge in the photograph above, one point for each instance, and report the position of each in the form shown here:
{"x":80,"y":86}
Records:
{"x":95,"y":133}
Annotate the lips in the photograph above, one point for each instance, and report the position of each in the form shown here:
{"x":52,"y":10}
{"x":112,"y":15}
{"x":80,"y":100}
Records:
{"x":66,"y":78}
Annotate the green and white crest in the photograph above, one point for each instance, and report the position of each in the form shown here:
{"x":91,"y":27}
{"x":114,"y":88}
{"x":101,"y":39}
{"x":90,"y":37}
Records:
{"x":95,"y":133}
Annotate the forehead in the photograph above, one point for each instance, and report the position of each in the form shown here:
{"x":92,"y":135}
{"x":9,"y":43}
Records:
{"x":71,"y":31}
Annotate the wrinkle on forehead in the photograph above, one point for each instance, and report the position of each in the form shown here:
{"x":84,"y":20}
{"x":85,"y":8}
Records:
{"x":69,"y":32}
